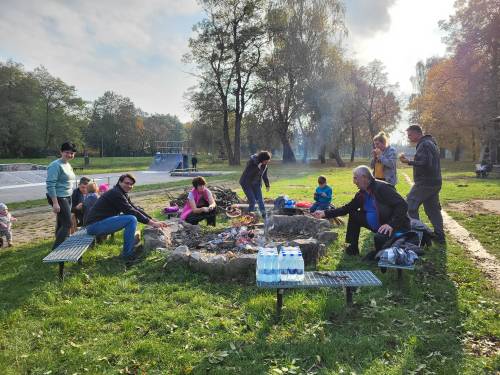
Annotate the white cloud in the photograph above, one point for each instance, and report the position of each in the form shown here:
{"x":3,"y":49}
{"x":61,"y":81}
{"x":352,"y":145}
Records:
{"x":412,"y":35}
{"x":134,"y":47}
{"x":129,"y":46}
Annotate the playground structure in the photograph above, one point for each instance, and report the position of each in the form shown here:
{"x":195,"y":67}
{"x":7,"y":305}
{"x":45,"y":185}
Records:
{"x":171,"y":156}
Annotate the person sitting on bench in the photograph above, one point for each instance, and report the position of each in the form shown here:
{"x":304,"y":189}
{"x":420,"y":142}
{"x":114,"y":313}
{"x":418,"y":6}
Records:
{"x":376,"y":206}
{"x":114,"y":211}
{"x":77,"y":198}
{"x":200,"y":204}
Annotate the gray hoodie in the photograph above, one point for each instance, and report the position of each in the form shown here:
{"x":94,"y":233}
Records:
{"x":426,"y":163}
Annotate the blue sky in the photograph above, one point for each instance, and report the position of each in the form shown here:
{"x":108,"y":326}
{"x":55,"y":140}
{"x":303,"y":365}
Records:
{"x":135,"y":47}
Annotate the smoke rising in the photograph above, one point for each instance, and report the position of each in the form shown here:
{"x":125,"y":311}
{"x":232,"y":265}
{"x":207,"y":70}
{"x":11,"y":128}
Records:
{"x":365,"y":17}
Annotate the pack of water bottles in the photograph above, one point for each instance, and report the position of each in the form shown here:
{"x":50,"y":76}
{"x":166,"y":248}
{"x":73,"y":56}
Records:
{"x":291,"y":264}
{"x":285,"y":266}
{"x":267,"y":270}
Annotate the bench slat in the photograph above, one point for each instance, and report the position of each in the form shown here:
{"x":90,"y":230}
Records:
{"x":338,"y":279}
{"x":396,"y":266}
{"x":71,"y":249}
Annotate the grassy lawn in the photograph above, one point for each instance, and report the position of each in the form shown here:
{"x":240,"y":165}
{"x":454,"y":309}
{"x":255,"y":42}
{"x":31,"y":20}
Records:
{"x":484,"y":227}
{"x":147,"y":319}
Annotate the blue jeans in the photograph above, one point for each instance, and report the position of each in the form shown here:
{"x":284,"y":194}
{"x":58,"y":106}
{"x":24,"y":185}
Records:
{"x":113,"y":224}
{"x":254,"y":194}
{"x":319,"y":206}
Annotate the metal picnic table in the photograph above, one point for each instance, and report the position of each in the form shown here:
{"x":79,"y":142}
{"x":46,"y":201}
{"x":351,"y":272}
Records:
{"x":350,"y":280}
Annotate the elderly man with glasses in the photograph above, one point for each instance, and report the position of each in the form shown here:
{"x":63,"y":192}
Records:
{"x":377,"y":206}
{"x":114,"y":211}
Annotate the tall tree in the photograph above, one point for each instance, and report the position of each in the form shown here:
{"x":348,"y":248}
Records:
{"x":377,"y":98}
{"x":60,"y":105}
{"x":18,"y":100}
{"x":113,"y":126}
{"x":227,"y":51}
{"x":299,"y":32}
{"x":474,"y":39}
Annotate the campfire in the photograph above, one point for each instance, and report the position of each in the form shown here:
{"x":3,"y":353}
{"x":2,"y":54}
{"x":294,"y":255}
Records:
{"x":231,"y":251}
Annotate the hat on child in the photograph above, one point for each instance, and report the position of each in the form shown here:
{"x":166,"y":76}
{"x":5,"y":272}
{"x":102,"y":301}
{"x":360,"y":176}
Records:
{"x":103,"y":188}
{"x":3,"y":206}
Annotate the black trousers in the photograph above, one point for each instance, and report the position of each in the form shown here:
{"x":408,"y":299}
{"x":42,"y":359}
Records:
{"x":63,"y":220}
{"x":209,"y":216}
{"x":357,"y":220}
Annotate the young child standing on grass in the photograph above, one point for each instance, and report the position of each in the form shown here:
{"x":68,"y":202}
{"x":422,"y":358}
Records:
{"x":322,"y":196}
{"x":6,"y":220}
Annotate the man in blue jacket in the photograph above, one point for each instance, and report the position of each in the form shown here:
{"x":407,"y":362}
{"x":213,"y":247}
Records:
{"x":377,"y":206}
{"x":114,"y":211}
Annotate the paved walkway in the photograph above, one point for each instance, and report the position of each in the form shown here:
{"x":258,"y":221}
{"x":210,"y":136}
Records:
{"x":28,"y":185}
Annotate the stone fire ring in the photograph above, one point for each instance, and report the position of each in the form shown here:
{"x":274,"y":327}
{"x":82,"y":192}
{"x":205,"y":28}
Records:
{"x":317,"y":233}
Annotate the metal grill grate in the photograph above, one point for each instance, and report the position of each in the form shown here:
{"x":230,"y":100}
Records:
{"x":71,"y":249}
{"x":329,"y":279}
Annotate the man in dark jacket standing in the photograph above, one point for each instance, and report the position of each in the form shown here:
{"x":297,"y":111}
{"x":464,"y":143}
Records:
{"x":427,"y":178}
{"x":251,"y":180}
{"x":376,"y":206}
{"x":114,"y":211}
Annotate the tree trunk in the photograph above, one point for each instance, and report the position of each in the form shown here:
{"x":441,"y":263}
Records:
{"x":353,"y":142}
{"x":288,"y":155}
{"x":47,"y":127}
{"x":473,"y":146}
{"x":237,"y":139}
{"x":305,"y":145}
{"x":322,"y":153}
{"x":336,"y":155}
{"x":226,"y":138}
{"x":456,"y":156}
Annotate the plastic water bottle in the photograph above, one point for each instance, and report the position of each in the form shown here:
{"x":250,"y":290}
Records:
{"x":283,"y":265}
{"x":261,"y":265}
{"x":267,"y":265}
{"x":276,"y":268}
{"x":258,"y":267}
{"x":300,"y":267}
{"x":292,"y":271}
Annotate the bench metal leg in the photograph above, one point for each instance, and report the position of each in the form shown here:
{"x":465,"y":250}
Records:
{"x":80,"y":261}
{"x":61,"y":271}
{"x":348,"y":295}
{"x":279,"y":302}
{"x":400,"y":274}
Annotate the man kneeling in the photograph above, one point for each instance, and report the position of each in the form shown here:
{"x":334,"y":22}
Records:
{"x":376,"y":206}
{"x":114,"y":211}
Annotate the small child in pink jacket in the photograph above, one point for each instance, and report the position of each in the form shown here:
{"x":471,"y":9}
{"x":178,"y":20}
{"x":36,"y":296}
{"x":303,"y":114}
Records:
{"x":6,"y":220}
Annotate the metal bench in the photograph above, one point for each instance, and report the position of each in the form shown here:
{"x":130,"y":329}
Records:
{"x":350,"y":280}
{"x":385,"y":265}
{"x":71,"y":250}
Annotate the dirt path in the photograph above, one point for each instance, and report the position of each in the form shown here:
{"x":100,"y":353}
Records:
{"x":38,"y":223}
{"x":477,"y":206}
{"x":486,"y":262}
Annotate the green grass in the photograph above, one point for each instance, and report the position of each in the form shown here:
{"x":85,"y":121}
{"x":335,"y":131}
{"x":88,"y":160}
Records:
{"x":484,"y":227}
{"x":105,"y":319}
